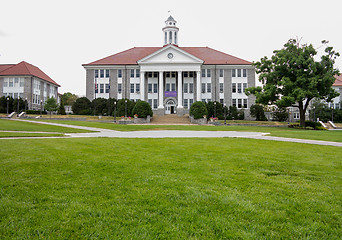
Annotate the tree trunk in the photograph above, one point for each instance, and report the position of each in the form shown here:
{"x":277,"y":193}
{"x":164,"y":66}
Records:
{"x":301,"y":114}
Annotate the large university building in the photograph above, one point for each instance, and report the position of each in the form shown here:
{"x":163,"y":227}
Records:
{"x":26,"y":81}
{"x":171,"y":78}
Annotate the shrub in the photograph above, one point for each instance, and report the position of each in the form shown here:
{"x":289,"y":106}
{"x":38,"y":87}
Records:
{"x":121,"y":105}
{"x":198,"y":110}
{"x":211,"y":109}
{"x":142,"y":109}
{"x":320,"y":128}
{"x":312,"y":124}
{"x":257,"y":111}
{"x":82,"y":106}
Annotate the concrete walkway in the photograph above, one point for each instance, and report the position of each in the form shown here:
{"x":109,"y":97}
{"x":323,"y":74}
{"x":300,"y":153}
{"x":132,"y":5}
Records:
{"x":99,"y":132}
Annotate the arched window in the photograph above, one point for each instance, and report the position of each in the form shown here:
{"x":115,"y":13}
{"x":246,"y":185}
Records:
{"x":170,"y":37}
{"x":165,"y":38}
{"x":176,"y":38}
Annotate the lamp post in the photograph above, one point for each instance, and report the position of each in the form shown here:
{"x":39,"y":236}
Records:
{"x":332,"y":113}
{"x":7,"y":104}
{"x":225,"y":114}
{"x":126,"y":108}
{"x":215,"y":109}
{"x":41,"y":106}
{"x":18,"y":106}
{"x":95,"y":96}
{"x":25,"y":106}
{"x":115,"y":111}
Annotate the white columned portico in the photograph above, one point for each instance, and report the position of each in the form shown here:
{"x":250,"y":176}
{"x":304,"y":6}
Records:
{"x":180,"y":90}
{"x":198,"y":86}
{"x":142,"y":86}
{"x":161,"y":90}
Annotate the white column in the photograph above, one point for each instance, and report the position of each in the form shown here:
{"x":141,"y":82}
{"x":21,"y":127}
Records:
{"x":161,"y":90}
{"x":142,"y":86}
{"x":198,"y":86}
{"x":180,"y":90}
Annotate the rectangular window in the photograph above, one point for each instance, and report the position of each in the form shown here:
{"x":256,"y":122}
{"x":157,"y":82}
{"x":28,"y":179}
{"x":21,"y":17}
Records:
{"x":6,"y":82}
{"x":155,"y":74}
{"x":221,"y":87}
{"x":96,"y":73}
{"x":107,"y":88}
{"x":150,"y":102}
{"x":120,"y":73}
{"x":221,"y":72}
{"x":101,"y":73}
{"x":244,"y":86}
{"x":203,"y":87}
{"x":208,"y":73}
{"x":173,"y":87}
{"x":107,"y":73}
{"x":239,"y":103}
{"x":173,"y":74}
{"x":15,"y":95}
{"x":233,"y":87}
{"x":132,"y":87}
{"x":244,"y":72}
{"x":191,"y":101}
{"x":186,"y":103}
{"x":239,"y":72}
{"x":137,"y":73}
{"x":119,"y":87}
{"x":132,"y":73}
{"x":168,"y":87}
{"x":150,"y":74}
{"x":21,"y":82}
{"x":337,"y":106}
{"x":245,"y":103}
{"x":191,"y":88}
{"x":209,"y":87}
{"x":221,"y":101}
{"x":155,"y":103}
{"x":209,"y":100}
{"x":233,"y":72}
{"x":203,"y":100}
{"x":167,"y":74}
{"x":96,"y":88}
{"x":150,"y":88}
{"x":155,"y":88}
{"x":239,"y":88}
{"x":11,"y":82}
{"x":137,"y":88}
{"x":234,"y":102}
{"x":101,"y":88}
{"x":185,"y":74}
{"x":203,"y":72}
{"x":191,"y":74}
{"x":185,"y":88}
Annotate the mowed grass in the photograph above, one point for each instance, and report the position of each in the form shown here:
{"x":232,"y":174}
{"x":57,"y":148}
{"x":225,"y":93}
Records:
{"x":20,"y":134}
{"x":102,"y":188}
{"x":335,"y":136}
{"x":11,"y":125}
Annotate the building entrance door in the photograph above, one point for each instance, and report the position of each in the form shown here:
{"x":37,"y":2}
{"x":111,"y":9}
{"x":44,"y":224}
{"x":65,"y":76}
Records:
{"x":170,"y":107}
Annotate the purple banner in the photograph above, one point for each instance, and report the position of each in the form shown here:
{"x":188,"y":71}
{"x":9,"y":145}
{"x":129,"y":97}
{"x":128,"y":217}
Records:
{"x":170,"y":94}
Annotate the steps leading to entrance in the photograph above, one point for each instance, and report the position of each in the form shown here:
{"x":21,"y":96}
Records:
{"x":170,"y":119}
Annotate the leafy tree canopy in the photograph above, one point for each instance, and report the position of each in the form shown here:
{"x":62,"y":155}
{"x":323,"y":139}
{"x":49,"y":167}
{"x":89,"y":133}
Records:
{"x":51,"y":104}
{"x":292,"y":77}
{"x":68,"y":98}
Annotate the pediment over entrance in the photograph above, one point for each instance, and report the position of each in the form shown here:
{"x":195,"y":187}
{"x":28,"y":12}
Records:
{"x":170,"y":55}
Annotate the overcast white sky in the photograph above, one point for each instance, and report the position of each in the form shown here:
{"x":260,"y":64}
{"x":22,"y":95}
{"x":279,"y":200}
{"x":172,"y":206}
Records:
{"x":58,"y":36}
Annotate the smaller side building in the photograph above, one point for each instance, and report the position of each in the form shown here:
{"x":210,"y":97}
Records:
{"x":26,"y":81}
{"x":337,"y":101}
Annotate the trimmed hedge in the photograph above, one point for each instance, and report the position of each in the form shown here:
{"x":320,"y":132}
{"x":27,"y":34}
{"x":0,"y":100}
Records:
{"x":142,"y":109}
{"x":198,"y":110}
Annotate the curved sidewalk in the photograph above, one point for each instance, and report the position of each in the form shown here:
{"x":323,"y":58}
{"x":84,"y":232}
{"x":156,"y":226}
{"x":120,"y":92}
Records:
{"x":99,"y":132}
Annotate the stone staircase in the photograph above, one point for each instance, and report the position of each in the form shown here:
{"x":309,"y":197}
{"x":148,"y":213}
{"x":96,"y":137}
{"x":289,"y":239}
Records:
{"x":170,"y":119}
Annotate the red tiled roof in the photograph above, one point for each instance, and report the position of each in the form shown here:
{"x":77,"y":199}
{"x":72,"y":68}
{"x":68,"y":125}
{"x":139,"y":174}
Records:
{"x":132,"y":55}
{"x":338,"y":81}
{"x":5,"y":66}
{"x":25,"y":69}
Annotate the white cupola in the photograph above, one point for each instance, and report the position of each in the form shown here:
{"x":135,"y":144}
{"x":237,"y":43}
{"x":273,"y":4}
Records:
{"x":170,"y":32}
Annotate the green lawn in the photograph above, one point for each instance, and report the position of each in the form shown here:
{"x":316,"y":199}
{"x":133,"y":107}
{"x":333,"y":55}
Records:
{"x":20,"y":134}
{"x":169,"y":188}
{"x":335,"y":136}
{"x":11,"y":125}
